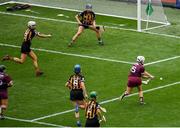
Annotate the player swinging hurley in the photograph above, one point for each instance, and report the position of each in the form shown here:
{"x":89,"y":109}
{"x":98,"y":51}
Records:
{"x":94,"y":112}
{"x":134,"y":79}
{"x":77,"y":91}
{"x":5,"y":83}
{"x":86,"y":20}
{"x":29,"y":34}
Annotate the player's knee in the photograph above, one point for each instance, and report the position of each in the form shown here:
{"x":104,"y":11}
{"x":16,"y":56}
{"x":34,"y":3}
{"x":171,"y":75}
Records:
{"x":3,"y":106}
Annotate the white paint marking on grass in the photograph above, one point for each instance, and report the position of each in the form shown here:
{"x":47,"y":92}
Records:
{"x":72,"y":22}
{"x":35,"y":122}
{"x":107,"y":101}
{"x":55,"y":114}
{"x":91,"y":57}
{"x":163,"y":60}
{"x":70,"y":54}
{"x":4,"y":3}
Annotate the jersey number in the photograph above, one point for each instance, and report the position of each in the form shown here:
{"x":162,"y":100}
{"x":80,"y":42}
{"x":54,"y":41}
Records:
{"x":133,"y":69}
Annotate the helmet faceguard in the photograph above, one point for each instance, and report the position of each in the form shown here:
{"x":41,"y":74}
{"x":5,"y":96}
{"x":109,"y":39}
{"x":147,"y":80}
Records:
{"x":141,"y":59}
{"x":32,"y":24}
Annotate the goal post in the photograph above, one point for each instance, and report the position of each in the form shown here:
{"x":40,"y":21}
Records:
{"x":128,"y":9}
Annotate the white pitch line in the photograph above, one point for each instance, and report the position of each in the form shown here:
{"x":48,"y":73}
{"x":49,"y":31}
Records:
{"x":72,"y":22}
{"x":35,"y":122}
{"x":55,"y":114}
{"x":163,"y":60}
{"x":70,"y":54}
{"x":107,"y":101}
{"x":91,"y":57}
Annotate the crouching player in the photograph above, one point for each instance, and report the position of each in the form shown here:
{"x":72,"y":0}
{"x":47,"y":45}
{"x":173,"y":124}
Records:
{"x":93,"y":112}
{"x":137,"y":72}
{"x":77,"y":91}
{"x":5,"y":82}
{"x":86,"y":20}
{"x":26,"y":50}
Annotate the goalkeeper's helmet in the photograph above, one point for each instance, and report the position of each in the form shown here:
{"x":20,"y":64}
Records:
{"x":93,"y":95}
{"x":88,"y":6}
{"x":2,"y":68}
{"x":140,"y":59}
{"x":77,"y":69}
{"x":31,"y":24}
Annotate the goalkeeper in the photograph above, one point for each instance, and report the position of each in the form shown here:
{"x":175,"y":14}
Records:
{"x":86,"y":20}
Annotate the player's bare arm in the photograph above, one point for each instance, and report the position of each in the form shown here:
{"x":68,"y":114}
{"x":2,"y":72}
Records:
{"x":147,"y":75}
{"x":43,"y":35}
{"x":84,"y":90}
{"x":78,"y":20}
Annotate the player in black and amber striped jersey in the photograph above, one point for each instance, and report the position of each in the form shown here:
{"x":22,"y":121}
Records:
{"x":86,"y":20}
{"x":77,"y":91}
{"x":93,"y":112}
{"x":29,"y":34}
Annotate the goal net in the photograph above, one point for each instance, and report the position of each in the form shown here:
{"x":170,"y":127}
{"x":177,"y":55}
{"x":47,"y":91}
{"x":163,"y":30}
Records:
{"x":148,"y":13}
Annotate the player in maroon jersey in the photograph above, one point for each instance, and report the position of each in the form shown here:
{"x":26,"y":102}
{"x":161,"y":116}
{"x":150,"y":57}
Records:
{"x":29,"y":34}
{"x":137,"y":72}
{"x":5,"y":82}
{"x":78,"y":92}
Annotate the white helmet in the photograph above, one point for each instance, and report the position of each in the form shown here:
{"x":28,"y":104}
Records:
{"x":31,"y":24}
{"x":141,"y":59}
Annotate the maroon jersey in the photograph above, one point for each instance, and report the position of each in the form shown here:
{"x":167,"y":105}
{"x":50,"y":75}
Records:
{"x":4,"y":81}
{"x":136,"y":70}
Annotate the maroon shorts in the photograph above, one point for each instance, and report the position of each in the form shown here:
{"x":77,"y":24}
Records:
{"x":3,"y":94}
{"x":134,"y":81}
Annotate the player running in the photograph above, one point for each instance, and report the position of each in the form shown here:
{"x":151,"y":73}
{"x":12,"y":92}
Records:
{"x":86,"y":20}
{"x":77,"y":91}
{"x":137,"y":72}
{"x":29,"y":34}
{"x":5,"y":82}
{"x":93,"y":112}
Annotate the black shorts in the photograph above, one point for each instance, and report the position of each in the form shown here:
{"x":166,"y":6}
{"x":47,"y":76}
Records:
{"x":92,"y":122}
{"x":25,"y":48}
{"x":76,"y":95}
{"x":85,"y":26}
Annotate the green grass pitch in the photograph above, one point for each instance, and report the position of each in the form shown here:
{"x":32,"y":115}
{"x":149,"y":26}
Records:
{"x":32,"y":97}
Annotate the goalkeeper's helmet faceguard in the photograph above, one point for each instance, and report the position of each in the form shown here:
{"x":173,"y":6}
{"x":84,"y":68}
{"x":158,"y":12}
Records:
{"x":77,"y":69}
{"x":93,"y":95}
{"x":88,"y":7}
{"x":32,"y":24}
{"x":2,"y":68}
{"x":141,"y":59}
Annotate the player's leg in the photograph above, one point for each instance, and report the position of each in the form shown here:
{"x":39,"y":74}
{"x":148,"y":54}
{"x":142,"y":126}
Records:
{"x":98,"y":34}
{"x":141,"y":98}
{"x":15,"y":59}
{"x":80,"y":30}
{"x":126,"y":93}
{"x":77,"y":116}
{"x":35,"y":63}
{"x":3,"y":107}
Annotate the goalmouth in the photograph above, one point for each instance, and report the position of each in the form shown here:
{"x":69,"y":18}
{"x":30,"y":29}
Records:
{"x":127,"y":9}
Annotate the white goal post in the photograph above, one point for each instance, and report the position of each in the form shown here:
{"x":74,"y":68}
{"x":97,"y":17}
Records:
{"x":128,"y":9}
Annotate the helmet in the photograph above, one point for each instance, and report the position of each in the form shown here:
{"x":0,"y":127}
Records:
{"x":93,"y":94}
{"x":31,"y":24}
{"x":140,"y":59}
{"x":77,"y":68}
{"x":88,"y":6}
{"x":2,"y":68}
